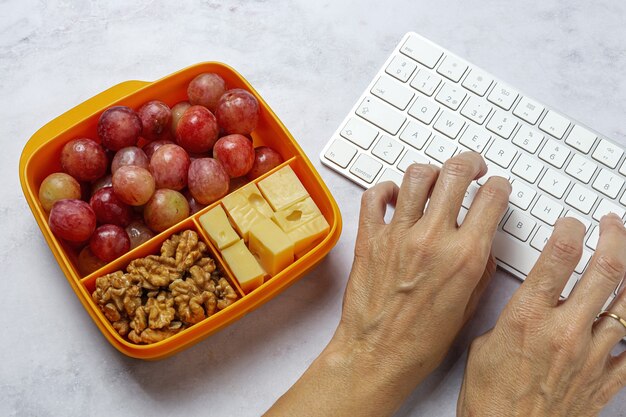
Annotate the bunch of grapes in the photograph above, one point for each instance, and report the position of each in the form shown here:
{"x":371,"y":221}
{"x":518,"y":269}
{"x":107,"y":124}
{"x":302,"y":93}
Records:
{"x":151,"y":168}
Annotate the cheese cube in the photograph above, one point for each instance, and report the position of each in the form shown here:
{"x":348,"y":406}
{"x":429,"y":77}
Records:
{"x":255,"y":199}
{"x":217,"y":226}
{"x":244,"y":265}
{"x":296,"y":215}
{"x":271,"y":246}
{"x":245,"y":207}
{"x":283,"y":188}
{"x":308,"y":235}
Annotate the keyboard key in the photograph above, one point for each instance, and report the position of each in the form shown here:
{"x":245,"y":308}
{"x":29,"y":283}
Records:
{"x":451,"y":96}
{"x":541,"y":237}
{"x":461,"y":217}
{"x":502,"y":124}
{"x":606,"y":207}
{"x":426,"y":82}
{"x":528,"y":139}
{"x":581,"y":168}
{"x":592,"y":242}
{"x":392,"y":92}
{"x":415,"y":135}
{"x":622,"y":170}
{"x":583,"y":220}
{"x":554,"y":153}
{"x":422,"y":51}
{"x":528,"y":110}
{"x":475,"y":138}
{"x":449,"y":124}
{"x":388,"y":149}
{"x":478,"y":82}
{"x":607,"y":153}
{"x":493,"y":171}
{"x":554,"y":183}
{"x":470,"y":194}
{"x":381,"y":115}
{"x":476,"y":109}
{"x":401,"y":68}
{"x":441,"y":149}
{"x":519,"y":225}
{"x":340,"y":153}
{"x":424,"y":110}
{"x":528,"y":168}
{"x":452,"y":68}
{"x":623,"y":199}
{"x":608,"y":183}
{"x":554,"y":124}
{"x":581,"y":139}
{"x":411,"y":157}
{"x":547,"y":210}
{"x":517,"y":255}
{"x":359,"y":133}
{"x":584,"y":260}
{"x":581,"y":198}
{"x":503,"y":96}
{"x":366,"y":168}
{"x":521,"y":195}
{"x":569,"y":286}
{"x":391,"y":175}
{"x":501,"y":152}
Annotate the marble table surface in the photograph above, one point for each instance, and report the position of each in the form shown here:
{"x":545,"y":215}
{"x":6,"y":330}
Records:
{"x":310,"y":60}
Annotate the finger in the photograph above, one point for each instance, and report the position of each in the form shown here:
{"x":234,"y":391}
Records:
{"x":374,"y":204}
{"x":605,"y":271}
{"x":616,"y":375}
{"x":488,"y":207}
{"x":454,"y":178}
{"x":555,"y":265}
{"x":480,"y":288}
{"x":607,"y":331}
{"x":417,"y":183}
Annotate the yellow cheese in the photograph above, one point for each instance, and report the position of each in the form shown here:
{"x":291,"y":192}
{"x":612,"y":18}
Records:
{"x":244,"y":265}
{"x":245,"y":207}
{"x":255,"y":199}
{"x":308,"y":235}
{"x":216,"y":224}
{"x":271,"y":246}
{"x":282,"y":188}
{"x":296,"y":215}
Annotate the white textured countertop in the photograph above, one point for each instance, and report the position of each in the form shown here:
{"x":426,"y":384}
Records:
{"x":310,"y":60}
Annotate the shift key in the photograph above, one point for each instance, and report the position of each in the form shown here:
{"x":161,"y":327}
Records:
{"x":381,"y":115}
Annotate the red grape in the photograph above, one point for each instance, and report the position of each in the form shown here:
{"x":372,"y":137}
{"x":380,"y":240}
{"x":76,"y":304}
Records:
{"x":131,"y":155}
{"x":155,"y":120}
{"x":88,"y":262}
{"x":84,"y":159}
{"x":133,"y":185}
{"x":208,"y":181}
{"x":58,"y":186}
{"x":119,"y":127}
{"x":106,"y":181}
{"x":109,"y":208}
{"x":236,"y":154}
{"x":165,"y":209}
{"x":237,"y":112}
{"x":138,"y":233}
{"x":151,"y":147}
{"x":206,"y":90}
{"x":197,"y":130}
{"x":177,"y":112}
{"x":194,"y":206}
{"x":109,"y":242}
{"x":169,"y":166}
{"x":265,"y":160}
{"x":72,"y":220}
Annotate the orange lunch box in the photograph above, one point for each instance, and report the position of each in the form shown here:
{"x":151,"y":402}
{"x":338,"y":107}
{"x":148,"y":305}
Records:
{"x":41,"y":157}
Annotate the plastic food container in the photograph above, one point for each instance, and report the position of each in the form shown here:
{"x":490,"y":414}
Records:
{"x":41,"y":157}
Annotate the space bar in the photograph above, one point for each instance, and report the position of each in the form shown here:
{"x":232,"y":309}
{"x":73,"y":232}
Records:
{"x":514,"y":253}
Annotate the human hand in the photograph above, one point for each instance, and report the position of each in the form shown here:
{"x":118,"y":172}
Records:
{"x":416,"y":280}
{"x":550,"y":358}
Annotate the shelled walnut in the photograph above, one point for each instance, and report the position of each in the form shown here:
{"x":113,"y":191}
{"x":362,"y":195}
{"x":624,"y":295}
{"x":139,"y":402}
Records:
{"x":161,"y":295}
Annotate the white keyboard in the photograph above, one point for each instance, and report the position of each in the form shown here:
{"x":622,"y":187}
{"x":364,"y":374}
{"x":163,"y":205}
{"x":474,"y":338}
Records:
{"x":426,"y":105}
